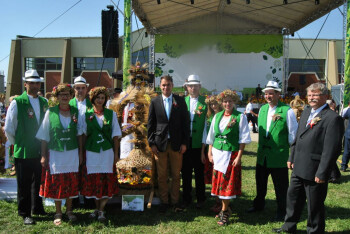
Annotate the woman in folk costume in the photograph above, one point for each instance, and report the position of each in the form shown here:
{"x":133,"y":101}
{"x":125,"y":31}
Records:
{"x":60,"y":156}
{"x":228,"y":134}
{"x":213,"y":108}
{"x":102,"y":132}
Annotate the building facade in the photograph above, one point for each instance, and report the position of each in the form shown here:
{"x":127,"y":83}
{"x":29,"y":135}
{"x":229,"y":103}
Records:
{"x":62,"y":59}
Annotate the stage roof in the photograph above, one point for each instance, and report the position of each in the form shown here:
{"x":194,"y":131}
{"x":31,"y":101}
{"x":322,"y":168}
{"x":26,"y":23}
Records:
{"x":238,"y":17}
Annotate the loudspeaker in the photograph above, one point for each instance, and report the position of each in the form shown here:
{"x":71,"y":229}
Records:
{"x":110,"y":48}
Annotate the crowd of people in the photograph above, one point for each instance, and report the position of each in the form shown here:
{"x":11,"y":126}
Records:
{"x":70,"y":146}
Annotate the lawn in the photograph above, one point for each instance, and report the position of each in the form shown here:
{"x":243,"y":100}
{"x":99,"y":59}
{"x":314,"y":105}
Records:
{"x":192,"y":220}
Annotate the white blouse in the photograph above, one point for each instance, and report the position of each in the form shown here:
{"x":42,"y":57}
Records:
{"x":222,"y":158}
{"x":59,"y":162}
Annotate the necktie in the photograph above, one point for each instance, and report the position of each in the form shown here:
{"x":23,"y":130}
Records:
{"x":310,"y":117}
{"x":167,"y":107}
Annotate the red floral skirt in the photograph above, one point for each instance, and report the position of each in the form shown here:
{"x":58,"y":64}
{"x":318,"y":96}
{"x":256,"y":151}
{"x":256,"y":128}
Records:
{"x":98,"y":185}
{"x":228,"y":185}
{"x":59,"y":186}
{"x":208,"y":170}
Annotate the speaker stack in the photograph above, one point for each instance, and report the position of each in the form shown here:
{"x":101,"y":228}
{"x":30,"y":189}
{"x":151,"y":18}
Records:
{"x":110,"y":47}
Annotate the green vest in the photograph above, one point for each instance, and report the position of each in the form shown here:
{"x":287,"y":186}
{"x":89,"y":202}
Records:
{"x":275,"y":147}
{"x":228,"y":139}
{"x":60,"y":137}
{"x":26,"y":144}
{"x":198,"y":121}
{"x":97,"y":137}
{"x":209,"y":120}
{"x":73,"y":102}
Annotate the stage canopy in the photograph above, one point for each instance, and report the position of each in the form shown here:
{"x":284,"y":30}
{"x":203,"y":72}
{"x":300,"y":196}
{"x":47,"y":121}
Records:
{"x":238,"y":17}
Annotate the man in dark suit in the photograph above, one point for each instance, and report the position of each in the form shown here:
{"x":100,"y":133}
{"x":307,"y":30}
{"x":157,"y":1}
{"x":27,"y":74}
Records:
{"x":315,"y":149}
{"x":168,"y":136}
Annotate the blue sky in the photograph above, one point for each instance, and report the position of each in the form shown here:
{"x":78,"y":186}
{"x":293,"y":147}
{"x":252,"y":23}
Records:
{"x":28,"y":17}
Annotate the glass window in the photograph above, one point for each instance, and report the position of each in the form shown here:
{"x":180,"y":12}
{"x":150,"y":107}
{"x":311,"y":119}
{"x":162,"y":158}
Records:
{"x":141,"y":55}
{"x":308,"y":65}
{"x":93,"y":63}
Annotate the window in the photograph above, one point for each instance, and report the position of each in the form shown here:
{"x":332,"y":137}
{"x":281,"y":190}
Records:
{"x":308,"y":65}
{"x":42,"y":65}
{"x":141,"y":55}
{"x":92,"y":63}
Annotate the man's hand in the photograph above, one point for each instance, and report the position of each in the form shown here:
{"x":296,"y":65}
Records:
{"x":154,"y":149}
{"x":183,"y":149}
{"x":319,"y":181}
{"x":290,"y":165}
{"x":203,"y":157}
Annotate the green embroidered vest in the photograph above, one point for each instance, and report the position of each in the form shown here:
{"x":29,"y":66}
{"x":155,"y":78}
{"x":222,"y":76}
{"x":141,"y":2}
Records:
{"x":198,"y":121}
{"x":97,"y":137}
{"x":73,"y":102}
{"x":275,"y":147}
{"x":26,"y":144}
{"x":228,"y":139}
{"x":209,"y":120}
{"x":60,"y":137}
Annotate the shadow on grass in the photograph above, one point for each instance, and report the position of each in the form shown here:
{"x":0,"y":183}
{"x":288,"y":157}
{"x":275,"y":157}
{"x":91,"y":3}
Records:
{"x":344,"y":178}
{"x":250,"y":153}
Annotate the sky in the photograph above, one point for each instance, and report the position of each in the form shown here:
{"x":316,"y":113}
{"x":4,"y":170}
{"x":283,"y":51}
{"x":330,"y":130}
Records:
{"x":30,"y":17}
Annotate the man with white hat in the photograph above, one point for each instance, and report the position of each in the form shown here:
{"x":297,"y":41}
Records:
{"x":25,"y":115}
{"x":194,"y":157}
{"x":80,"y":101}
{"x":82,"y":104}
{"x":277,"y":128}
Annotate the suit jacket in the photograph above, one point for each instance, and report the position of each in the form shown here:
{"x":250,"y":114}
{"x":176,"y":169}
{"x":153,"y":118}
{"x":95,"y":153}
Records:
{"x":178,"y":125}
{"x":347,"y":131}
{"x":315,"y":150}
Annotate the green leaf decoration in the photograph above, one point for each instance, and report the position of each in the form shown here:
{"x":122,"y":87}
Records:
{"x":171,"y":71}
{"x":274,"y":71}
{"x":264,"y":57}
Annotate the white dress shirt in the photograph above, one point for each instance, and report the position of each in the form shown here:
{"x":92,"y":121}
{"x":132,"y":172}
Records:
{"x":292,"y":123}
{"x":11,"y":117}
{"x":313,"y":113}
{"x":248,"y":108}
{"x":81,"y":105}
{"x":222,"y":158}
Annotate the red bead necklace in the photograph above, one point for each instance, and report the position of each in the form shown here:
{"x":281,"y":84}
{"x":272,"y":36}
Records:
{"x":64,"y":109}
{"x":98,"y":112}
{"x":226,"y":114}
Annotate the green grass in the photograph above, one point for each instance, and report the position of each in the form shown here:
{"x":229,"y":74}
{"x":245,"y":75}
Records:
{"x":193,"y":220}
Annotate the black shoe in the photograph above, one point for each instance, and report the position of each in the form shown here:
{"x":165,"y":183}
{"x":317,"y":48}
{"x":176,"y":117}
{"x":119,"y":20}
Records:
{"x":163,"y":208}
{"x":343,"y":169}
{"x":253,"y":209}
{"x":39,"y":212}
{"x":178,"y":208}
{"x":281,"y":230}
{"x":255,"y":132}
{"x":333,"y":180}
{"x":28,"y":221}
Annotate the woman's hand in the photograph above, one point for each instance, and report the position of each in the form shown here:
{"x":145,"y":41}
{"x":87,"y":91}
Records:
{"x":43,"y":161}
{"x":210,"y":154}
{"x":236,"y":162}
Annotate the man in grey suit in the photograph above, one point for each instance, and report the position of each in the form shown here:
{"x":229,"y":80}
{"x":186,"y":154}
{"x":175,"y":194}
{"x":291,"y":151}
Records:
{"x":316,"y":148}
